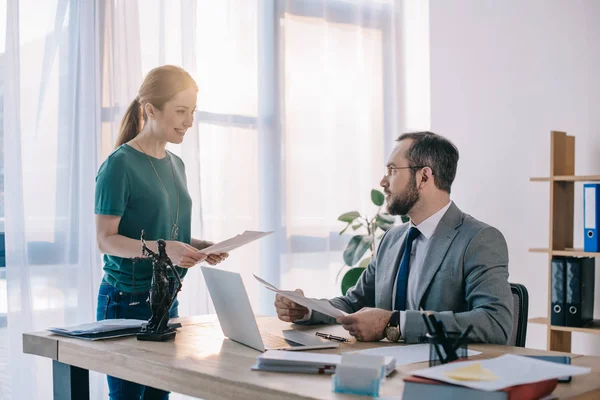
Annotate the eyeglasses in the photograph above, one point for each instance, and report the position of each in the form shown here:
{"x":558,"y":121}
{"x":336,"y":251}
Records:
{"x":389,"y":170}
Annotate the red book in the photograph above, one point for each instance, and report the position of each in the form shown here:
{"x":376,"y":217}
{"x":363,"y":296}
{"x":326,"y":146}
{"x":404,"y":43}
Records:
{"x":419,"y":388}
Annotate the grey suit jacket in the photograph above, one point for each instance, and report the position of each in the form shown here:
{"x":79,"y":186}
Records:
{"x":466,"y":271}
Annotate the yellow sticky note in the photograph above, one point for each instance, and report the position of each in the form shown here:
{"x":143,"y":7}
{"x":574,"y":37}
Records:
{"x":473,"y":372}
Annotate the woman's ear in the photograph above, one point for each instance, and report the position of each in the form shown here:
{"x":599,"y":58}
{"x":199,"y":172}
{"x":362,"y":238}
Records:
{"x":149,"y":108}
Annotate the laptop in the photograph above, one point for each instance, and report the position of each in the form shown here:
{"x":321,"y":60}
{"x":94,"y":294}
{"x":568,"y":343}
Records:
{"x":237,"y":320}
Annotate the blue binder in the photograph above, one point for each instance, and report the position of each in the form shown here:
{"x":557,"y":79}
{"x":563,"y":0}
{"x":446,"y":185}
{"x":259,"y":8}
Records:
{"x":591,"y":217}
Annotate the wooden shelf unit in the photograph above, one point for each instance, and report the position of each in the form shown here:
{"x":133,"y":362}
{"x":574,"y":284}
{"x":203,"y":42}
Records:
{"x":568,"y":178}
{"x":567,"y":252}
{"x":562,"y":181}
{"x":592,"y":327}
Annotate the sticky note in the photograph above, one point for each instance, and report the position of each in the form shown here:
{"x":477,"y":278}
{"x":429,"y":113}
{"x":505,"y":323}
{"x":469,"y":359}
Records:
{"x":473,"y":372}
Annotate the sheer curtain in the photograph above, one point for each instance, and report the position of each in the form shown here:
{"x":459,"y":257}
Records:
{"x":299,"y":103}
{"x":297,"y":111}
{"x":339,"y":70}
{"x":51,"y":116}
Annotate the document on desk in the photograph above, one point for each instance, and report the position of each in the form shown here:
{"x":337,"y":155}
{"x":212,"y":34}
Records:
{"x":105,"y":329}
{"x":306,"y":362}
{"x":404,"y":355}
{"x":320,"y":305}
{"x":233,"y":243}
{"x":510,"y":370}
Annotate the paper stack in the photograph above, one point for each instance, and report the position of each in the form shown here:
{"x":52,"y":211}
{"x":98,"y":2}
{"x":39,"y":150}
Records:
{"x":106,"y":329}
{"x":305,"y":362}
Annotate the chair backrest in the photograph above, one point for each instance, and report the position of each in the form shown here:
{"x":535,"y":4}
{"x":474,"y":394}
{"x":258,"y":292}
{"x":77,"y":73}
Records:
{"x":521,"y":300}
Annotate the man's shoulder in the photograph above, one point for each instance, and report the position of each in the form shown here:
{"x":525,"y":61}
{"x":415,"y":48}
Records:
{"x":474,"y":226}
{"x":474,"y":233}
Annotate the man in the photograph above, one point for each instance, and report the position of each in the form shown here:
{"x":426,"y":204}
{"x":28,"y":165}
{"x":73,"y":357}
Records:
{"x":443,"y":260}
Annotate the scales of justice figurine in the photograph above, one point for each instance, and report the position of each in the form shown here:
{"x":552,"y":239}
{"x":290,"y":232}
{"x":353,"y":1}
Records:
{"x":160,"y":297}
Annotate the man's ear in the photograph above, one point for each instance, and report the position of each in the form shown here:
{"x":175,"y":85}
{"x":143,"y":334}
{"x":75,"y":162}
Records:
{"x":426,"y":175}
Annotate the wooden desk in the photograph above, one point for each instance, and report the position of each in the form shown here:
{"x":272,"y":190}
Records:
{"x":202,"y":363}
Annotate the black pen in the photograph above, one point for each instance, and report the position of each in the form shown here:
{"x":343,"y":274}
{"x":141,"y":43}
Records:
{"x":433,"y":336}
{"x":440,"y":330}
{"x":331,"y":337}
{"x":463,"y":337}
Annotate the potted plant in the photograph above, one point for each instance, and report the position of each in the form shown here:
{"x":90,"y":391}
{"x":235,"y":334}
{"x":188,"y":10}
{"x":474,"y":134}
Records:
{"x":365,"y":243}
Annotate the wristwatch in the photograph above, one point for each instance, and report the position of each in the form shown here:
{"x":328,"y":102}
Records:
{"x":392,"y":330}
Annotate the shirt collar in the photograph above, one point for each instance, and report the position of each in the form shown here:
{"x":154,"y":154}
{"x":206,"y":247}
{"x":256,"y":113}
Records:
{"x":427,"y":227}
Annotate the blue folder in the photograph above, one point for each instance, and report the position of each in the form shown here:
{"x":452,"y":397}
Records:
{"x":591,"y":217}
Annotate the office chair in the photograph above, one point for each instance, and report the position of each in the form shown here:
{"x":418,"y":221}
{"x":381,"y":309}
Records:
{"x":521,"y":300}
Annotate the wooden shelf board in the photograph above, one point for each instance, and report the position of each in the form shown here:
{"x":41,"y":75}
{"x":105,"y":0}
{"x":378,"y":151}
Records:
{"x":538,"y":320}
{"x":567,"y":178}
{"x":592,"y":327}
{"x":566,"y":252}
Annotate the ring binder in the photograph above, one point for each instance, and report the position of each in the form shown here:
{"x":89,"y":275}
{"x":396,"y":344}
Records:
{"x":591,"y":217}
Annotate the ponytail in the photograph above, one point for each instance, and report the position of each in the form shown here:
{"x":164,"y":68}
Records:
{"x":130,"y":125}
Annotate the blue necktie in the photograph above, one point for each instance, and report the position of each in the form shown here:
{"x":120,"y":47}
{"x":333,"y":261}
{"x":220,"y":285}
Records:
{"x":402,"y":281}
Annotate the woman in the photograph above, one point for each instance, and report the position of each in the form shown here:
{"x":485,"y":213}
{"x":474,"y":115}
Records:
{"x":142,"y":186}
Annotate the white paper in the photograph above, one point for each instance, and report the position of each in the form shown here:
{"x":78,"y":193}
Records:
{"x":511,"y":369}
{"x":407,"y":354}
{"x":233,"y":243}
{"x":320,"y":305}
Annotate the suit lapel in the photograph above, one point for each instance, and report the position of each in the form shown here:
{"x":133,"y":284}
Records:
{"x":438,"y":247}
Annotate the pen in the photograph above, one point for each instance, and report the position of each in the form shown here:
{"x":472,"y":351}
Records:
{"x":463,"y":336}
{"x":441,"y":333}
{"x":331,"y":337}
{"x":433,"y":336}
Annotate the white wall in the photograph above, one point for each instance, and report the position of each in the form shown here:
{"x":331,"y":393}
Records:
{"x":503,"y":75}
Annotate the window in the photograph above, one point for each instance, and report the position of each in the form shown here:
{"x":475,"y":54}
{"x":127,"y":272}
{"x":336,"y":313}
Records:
{"x":336,"y":121}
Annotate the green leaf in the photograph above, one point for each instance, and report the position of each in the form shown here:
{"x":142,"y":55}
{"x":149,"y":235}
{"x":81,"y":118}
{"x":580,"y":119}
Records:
{"x":349,"y":216}
{"x":387,"y":218}
{"x":355,"y":227}
{"x":351,"y":278}
{"x":365,"y":262}
{"x":357,"y":246}
{"x":404,"y":218}
{"x":384,"y":225}
{"x":377,"y":197}
{"x":344,"y":230}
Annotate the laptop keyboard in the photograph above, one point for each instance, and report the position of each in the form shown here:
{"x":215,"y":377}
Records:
{"x":274,"y":341}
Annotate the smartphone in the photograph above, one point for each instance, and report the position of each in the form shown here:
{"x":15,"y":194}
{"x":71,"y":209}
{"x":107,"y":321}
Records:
{"x":557,"y":359}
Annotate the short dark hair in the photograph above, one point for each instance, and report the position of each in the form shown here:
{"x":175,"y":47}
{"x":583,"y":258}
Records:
{"x":433,"y":151}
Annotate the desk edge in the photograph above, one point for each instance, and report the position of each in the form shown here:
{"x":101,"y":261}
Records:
{"x":43,"y":346}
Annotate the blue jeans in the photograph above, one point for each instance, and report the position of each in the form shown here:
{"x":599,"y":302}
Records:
{"x":113,"y":304}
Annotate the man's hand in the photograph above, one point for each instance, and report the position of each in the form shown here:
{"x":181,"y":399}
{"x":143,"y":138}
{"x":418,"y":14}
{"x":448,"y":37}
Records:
{"x":289,"y":311}
{"x":366,"y":325}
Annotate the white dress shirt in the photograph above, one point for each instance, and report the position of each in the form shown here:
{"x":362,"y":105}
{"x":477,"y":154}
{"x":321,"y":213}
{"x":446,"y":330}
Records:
{"x":418,"y":252}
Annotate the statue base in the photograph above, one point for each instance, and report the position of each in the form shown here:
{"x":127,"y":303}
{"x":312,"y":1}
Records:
{"x":148,"y":336}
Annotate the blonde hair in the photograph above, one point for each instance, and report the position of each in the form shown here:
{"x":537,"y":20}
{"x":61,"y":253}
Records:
{"x":160,"y":85}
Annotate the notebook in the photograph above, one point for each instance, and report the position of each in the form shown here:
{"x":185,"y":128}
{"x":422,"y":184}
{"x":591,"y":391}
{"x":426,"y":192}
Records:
{"x":305,"y":362}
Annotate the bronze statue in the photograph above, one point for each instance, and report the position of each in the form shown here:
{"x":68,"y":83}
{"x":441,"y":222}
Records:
{"x":160,"y":297}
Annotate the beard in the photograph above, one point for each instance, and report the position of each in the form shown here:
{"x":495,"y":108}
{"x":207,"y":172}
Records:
{"x":402,"y":203}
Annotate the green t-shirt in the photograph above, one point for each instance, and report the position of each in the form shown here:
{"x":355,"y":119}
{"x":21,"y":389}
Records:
{"x":127,"y":186}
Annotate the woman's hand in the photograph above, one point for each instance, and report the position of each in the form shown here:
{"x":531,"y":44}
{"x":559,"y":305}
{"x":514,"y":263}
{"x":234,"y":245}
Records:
{"x":183,"y":255}
{"x":214,"y":259}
